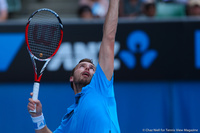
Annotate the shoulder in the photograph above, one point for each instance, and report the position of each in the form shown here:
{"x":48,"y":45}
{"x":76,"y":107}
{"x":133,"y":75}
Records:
{"x":99,"y":74}
{"x":101,"y":84}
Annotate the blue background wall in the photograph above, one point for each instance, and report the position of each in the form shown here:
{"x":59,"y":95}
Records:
{"x":141,"y":105}
{"x":163,"y":97}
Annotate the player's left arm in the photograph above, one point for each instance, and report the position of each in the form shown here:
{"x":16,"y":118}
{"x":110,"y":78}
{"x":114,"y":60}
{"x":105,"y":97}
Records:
{"x":106,"y":53}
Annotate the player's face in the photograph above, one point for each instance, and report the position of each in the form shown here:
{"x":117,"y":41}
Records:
{"x":83,"y":73}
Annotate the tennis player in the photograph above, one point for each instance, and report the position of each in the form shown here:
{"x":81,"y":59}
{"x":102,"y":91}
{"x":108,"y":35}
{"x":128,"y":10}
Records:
{"x":94,"y":110}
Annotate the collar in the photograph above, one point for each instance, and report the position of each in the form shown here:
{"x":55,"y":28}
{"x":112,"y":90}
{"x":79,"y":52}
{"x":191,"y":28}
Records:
{"x":79,"y":95}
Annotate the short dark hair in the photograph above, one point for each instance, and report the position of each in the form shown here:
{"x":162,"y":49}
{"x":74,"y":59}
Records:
{"x":72,"y":72}
{"x":82,"y":9}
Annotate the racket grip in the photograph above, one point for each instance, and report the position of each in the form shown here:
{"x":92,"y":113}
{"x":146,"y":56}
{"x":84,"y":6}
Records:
{"x":36,"y":87}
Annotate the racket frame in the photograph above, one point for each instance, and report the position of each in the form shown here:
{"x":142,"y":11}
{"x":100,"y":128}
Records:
{"x":37,"y":77}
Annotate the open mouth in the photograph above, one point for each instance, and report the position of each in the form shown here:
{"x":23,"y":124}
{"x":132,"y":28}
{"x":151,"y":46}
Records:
{"x":86,"y":74}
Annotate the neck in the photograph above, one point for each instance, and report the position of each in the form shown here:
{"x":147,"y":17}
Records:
{"x":78,"y":88}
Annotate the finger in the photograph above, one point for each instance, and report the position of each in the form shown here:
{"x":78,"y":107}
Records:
{"x":31,"y":100}
{"x":37,"y":102}
{"x":31,"y":107}
{"x":31,"y":93}
{"x":31,"y":104}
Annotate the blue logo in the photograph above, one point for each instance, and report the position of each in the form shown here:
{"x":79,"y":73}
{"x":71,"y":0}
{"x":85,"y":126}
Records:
{"x":138,"y":43}
{"x":10,"y":45}
{"x":197,"y":49}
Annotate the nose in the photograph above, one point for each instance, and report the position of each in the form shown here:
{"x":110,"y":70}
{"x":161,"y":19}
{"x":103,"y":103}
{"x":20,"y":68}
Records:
{"x":87,"y":68}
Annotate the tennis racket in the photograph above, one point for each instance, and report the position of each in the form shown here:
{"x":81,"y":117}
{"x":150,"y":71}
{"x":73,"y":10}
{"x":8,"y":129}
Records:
{"x":43,"y":34}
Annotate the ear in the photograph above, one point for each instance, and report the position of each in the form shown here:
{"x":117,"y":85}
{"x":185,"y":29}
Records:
{"x":71,"y":79}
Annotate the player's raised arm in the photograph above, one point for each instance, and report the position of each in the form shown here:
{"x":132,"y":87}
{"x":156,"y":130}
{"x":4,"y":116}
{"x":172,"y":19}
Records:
{"x":106,"y":54}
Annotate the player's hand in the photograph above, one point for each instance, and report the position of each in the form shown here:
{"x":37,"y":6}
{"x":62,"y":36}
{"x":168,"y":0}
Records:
{"x":31,"y":106}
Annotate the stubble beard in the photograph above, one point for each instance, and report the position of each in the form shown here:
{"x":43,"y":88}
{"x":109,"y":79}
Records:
{"x":81,"y":82}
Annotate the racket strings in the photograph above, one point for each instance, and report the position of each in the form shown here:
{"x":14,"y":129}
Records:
{"x":44,"y":34}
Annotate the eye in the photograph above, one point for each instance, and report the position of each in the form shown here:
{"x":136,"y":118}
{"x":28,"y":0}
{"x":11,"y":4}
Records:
{"x":92,"y":67}
{"x":82,"y":65}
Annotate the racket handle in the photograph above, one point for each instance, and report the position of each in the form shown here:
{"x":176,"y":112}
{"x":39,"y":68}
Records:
{"x":36,"y":87}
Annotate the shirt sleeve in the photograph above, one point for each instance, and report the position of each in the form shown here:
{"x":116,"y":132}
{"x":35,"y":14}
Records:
{"x":101,"y":84}
{"x":59,"y":130}
{"x":64,"y":126}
